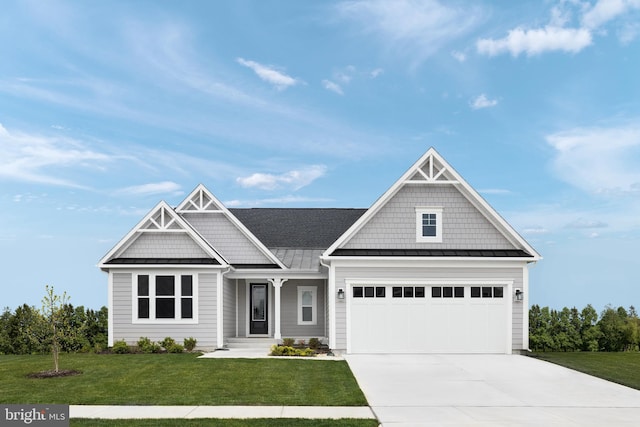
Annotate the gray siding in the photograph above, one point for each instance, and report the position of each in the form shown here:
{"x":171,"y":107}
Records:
{"x":514,"y":274}
{"x":394,"y":226}
{"x":164,"y":245}
{"x":223,"y":235}
{"x":289,"y":310}
{"x":204,"y":331}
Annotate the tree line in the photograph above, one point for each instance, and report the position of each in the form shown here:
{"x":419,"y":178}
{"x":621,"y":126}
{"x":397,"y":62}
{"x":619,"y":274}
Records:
{"x":27,"y":330}
{"x":570,"y":329}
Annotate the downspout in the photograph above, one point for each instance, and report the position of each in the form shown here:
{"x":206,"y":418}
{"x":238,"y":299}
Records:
{"x":331,"y":297}
{"x":220,"y":308}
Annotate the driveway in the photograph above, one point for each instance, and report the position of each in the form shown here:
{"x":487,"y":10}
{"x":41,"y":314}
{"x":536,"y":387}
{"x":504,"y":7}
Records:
{"x":489,"y":390}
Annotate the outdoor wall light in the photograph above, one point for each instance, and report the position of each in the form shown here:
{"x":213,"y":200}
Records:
{"x":519,"y":295}
{"x":340,"y":293}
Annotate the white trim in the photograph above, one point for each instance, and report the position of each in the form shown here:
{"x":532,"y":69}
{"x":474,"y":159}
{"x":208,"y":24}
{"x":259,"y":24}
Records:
{"x":136,"y":231}
{"x":110,"y":312}
{"x":314,"y":305}
{"x":231,"y":217}
{"x":454,"y":179}
{"x":331,"y":300}
{"x":425,"y":210}
{"x":525,"y":308}
{"x":220,"y":310}
{"x":152,"y":320}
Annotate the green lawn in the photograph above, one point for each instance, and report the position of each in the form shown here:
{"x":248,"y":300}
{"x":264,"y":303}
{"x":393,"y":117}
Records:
{"x":179,"y":379}
{"x":280,"y":422}
{"x":622,"y":368}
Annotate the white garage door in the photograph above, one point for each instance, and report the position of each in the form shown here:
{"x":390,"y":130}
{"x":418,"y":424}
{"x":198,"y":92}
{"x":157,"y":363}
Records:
{"x":428,"y":319}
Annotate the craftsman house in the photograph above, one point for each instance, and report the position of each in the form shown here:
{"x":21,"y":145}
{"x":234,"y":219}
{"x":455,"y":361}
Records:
{"x":430,"y":267}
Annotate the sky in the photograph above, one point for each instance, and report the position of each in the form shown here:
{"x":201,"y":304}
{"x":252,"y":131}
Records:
{"x":108,"y":107}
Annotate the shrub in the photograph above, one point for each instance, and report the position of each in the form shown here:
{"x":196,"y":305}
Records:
{"x":301,"y":343}
{"x":175,"y":348}
{"x":145,"y":345}
{"x":288,"y":342}
{"x":284,"y":350}
{"x":314,"y":343}
{"x":120,"y":347}
{"x":167,"y":343}
{"x":190,"y":343}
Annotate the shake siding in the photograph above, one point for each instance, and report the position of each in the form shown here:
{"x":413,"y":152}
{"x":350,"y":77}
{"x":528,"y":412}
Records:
{"x":164,"y":245}
{"x":394,"y":226}
{"x":229,"y":308}
{"x":223,"y":235}
{"x":289,"y":310}
{"x":427,"y":273}
{"x":204,"y":331}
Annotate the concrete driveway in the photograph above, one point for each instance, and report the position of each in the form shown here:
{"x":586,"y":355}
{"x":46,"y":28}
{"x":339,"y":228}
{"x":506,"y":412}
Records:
{"x":489,"y":390}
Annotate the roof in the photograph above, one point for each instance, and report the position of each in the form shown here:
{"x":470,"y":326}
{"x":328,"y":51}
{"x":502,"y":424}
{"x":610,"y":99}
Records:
{"x":297,"y":227}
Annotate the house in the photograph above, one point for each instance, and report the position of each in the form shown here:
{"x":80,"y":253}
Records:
{"x":430,"y":267}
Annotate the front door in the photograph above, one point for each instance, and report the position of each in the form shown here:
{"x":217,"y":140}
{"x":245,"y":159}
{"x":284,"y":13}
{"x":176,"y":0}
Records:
{"x":259,"y":321}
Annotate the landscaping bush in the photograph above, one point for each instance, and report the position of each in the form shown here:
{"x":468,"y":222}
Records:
{"x":145,"y":345}
{"x":120,"y":347}
{"x":175,"y":348}
{"x":190,"y":343}
{"x":285,"y":350}
{"x":167,"y":343}
{"x":288,"y":342}
{"x":314,"y":343}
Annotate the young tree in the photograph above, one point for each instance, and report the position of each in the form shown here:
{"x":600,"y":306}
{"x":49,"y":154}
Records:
{"x":53,"y":311}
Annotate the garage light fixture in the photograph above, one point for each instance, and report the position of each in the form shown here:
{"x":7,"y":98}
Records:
{"x":519,"y":295}
{"x":340,"y":293}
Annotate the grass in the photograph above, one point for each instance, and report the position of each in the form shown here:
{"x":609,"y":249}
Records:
{"x":621,"y":368}
{"x":179,"y":379}
{"x":280,"y":422}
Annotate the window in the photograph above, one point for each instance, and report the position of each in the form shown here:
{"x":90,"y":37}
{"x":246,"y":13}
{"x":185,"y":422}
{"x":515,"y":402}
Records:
{"x":164,"y":297}
{"x":408,"y":291}
{"x":428,"y":225}
{"x":487,"y":292}
{"x":307,"y":305}
{"x":447,"y":292}
{"x":369,"y":292}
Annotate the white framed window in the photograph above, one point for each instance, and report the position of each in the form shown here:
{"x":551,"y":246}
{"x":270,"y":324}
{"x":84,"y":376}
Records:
{"x":161,"y":297}
{"x":307,"y":305}
{"x":429,"y":224}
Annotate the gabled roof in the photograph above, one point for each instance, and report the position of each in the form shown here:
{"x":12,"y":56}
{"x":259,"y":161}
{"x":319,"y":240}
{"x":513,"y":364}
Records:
{"x":161,"y":219}
{"x":432,"y":169}
{"x":201,"y":200}
{"x":312,"y":228}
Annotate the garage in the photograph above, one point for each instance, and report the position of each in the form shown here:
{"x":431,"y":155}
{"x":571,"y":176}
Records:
{"x":429,"y":318}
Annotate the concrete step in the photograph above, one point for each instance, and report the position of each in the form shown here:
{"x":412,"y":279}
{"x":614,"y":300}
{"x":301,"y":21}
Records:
{"x":250,"y":342}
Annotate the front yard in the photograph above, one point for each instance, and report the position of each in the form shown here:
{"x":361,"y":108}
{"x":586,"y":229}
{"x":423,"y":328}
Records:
{"x":621,"y":368}
{"x":179,"y":379}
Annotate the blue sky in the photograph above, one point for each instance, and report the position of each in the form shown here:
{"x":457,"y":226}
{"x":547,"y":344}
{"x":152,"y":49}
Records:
{"x":107,"y":107}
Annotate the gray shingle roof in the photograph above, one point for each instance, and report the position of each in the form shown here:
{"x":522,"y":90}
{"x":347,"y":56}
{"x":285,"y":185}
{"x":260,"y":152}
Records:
{"x":297,"y":227}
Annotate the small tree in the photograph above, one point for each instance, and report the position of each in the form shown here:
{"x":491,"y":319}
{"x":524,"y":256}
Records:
{"x":53,"y":311}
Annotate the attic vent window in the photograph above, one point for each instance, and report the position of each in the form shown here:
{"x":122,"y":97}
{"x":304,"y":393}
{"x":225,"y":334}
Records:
{"x":429,"y":224}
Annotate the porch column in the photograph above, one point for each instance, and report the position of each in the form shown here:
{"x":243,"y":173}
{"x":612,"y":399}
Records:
{"x":277,"y":285}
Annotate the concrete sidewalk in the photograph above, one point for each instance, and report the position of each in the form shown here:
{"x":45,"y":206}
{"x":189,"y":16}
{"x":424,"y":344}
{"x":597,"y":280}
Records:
{"x":243,"y":412}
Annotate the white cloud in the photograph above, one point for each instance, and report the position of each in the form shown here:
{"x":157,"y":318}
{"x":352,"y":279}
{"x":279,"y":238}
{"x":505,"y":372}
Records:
{"x":152,"y":188}
{"x":284,"y":200}
{"x":294,"y":179}
{"x":413,"y":28}
{"x":537,"y":41}
{"x":598,"y":159}
{"x":483,"y":102}
{"x":332,"y":86}
{"x":495,"y":191}
{"x":606,"y":10}
{"x":43,"y":159}
{"x":270,"y":74}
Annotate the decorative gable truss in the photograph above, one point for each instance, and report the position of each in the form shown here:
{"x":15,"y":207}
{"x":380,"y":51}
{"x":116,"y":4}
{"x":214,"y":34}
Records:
{"x":432,"y":169}
{"x":166,"y":226}
{"x":202,"y":201}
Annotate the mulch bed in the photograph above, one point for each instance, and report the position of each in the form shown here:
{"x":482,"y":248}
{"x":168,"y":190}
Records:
{"x":54,"y":374}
